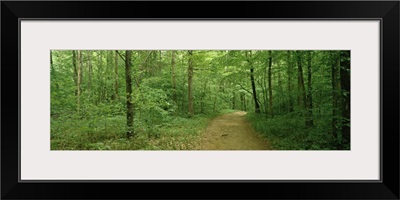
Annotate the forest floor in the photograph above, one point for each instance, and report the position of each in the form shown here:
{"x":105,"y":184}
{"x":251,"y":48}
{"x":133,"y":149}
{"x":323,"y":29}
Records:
{"x":232,"y":132}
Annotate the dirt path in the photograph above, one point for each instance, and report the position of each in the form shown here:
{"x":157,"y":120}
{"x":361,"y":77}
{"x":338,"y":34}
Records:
{"x":232,"y":132}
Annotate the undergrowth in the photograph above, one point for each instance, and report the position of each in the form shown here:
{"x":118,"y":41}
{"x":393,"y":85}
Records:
{"x":71,"y":132}
{"x":289,"y":132}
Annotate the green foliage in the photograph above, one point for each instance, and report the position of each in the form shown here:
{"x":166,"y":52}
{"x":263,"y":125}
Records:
{"x":287,"y":132}
{"x":104,"y":133}
{"x":96,"y":119}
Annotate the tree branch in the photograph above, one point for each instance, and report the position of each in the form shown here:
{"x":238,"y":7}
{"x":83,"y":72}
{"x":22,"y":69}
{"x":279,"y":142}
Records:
{"x":147,"y":57}
{"x":262,"y":86}
{"x":245,"y":89}
{"x":120,"y":55}
{"x":250,"y":93}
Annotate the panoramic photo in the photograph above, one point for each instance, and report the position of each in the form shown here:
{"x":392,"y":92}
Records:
{"x":200,"y":99}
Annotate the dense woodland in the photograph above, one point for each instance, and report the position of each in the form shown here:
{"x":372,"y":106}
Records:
{"x":164,"y":99}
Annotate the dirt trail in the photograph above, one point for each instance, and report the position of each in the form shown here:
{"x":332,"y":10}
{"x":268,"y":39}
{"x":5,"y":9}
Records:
{"x":232,"y":132}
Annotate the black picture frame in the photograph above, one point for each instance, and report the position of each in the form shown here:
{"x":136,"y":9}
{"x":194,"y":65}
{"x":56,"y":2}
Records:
{"x":13,"y":11}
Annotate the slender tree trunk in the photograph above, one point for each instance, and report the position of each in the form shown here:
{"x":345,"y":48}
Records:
{"x":335,"y":98}
{"x":75,"y":71}
{"x":253,"y":85}
{"x":345,"y":86}
{"x":174,"y":98}
{"x":100,"y":78}
{"x":190,"y":84}
{"x":51,"y":60}
{"x":129,"y":103}
{"x":279,"y":100}
{"x":290,"y":87}
{"x":264,"y":87}
{"x":89,"y":57}
{"x":233,"y":100}
{"x":265,"y":98}
{"x":116,"y":75}
{"x":82,"y":65}
{"x":183,"y":88}
{"x":310,"y":121}
{"x":79,"y":79}
{"x":204,"y":97}
{"x":302,"y":92}
{"x":109,"y":76}
{"x":241,"y":101}
{"x":271,"y":113}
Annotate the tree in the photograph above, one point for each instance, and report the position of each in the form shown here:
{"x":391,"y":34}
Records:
{"x":289,"y":75}
{"x":335,"y":89}
{"x":78,"y":86}
{"x":243,"y":101}
{"x":270,"y":84}
{"x":280,"y":86}
{"x":190,"y":83}
{"x":51,"y":61}
{"x":253,"y":85}
{"x":160,"y":87}
{"x":203,"y":97}
{"x":89,"y":57}
{"x":264,"y":86}
{"x":310,"y":121}
{"x":300,"y":78}
{"x":75,"y":71}
{"x":173,"y":77}
{"x":100,"y":78}
{"x":345,"y":86}
{"x":116,"y":75}
{"x":129,"y":103}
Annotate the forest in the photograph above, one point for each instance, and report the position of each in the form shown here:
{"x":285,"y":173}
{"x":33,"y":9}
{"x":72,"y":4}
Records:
{"x":200,"y":99}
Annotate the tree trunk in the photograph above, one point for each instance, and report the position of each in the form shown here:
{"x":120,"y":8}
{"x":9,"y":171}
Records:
{"x":335,"y":98}
{"x":100,"y":78}
{"x":116,"y":75}
{"x":75,"y":72}
{"x":265,"y":97}
{"x":190,"y":84}
{"x":79,"y":79}
{"x":183,"y":87}
{"x":264,"y":87}
{"x":204,"y":97}
{"x":109,"y":76}
{"x":345,"y":86}
{"x":280,"y":91}
{"x":271,"y":113}
{"x":310,"y":121}
{"x":253,"y":85}
{"x":243,"y":100}
{"x":233,"y":100}
{"x":290,"y":87}
{"x":51,"y":61}
{"x":82,"y":66}
{"x":129,"y":103}
{"x":302,"y":92}
{"x":89,"y":57}
{"x":174,"y":98}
